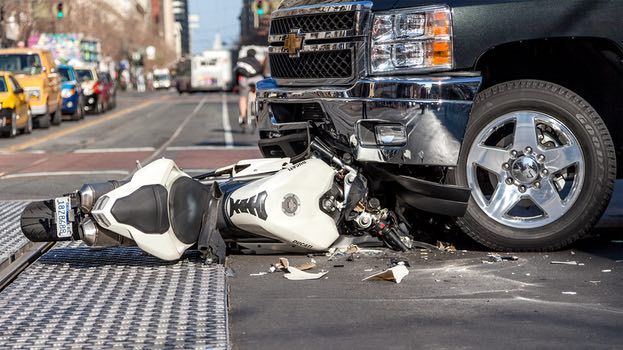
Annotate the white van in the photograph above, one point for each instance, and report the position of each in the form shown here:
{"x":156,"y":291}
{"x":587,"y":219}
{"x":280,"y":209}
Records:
{"x":213,"y":70}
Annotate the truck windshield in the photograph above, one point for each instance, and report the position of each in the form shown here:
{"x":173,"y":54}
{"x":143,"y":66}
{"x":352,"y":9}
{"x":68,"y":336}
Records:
{"x":84,"y":74}
{"x":64,"y":72}
{"x":21,"y":63}
{"x":2,"y":84}
{"x":160,"y":77}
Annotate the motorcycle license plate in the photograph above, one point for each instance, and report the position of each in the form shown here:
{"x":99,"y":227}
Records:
{"x":63,"y":226}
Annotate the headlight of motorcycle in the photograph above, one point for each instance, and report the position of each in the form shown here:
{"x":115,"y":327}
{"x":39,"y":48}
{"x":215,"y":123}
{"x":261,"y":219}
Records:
{"x":67,"y":93}
{"x":88,"y":91}
{"x":415,"y":40}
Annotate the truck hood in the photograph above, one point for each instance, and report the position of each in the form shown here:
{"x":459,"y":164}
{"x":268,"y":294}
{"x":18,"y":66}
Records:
{"x":26,"y":80}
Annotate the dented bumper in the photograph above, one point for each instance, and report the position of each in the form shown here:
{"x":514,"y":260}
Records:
{"x":432,"y":111}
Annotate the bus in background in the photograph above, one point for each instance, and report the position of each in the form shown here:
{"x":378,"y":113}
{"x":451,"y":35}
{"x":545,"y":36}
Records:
{"x":162,"y":78}
{"x":211,"y":71}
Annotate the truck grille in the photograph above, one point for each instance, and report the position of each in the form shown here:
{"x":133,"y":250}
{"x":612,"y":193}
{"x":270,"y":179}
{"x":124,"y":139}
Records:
{"x":314,"y":23}
{"x":312,"y":65}
{"x":329,"y":46}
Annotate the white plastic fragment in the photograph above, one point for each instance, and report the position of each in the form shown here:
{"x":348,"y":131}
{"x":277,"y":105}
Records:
{"x":258,"y":274}
{"x":394,"y":274}
{"x":569,"y":293}
{"x":295,"y":274}
{"x":564,"y":262}
{"x":608,"y":270}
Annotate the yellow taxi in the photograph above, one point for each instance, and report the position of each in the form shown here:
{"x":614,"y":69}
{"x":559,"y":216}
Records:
{"x":35,"y":70}
{"x":14,"y":111}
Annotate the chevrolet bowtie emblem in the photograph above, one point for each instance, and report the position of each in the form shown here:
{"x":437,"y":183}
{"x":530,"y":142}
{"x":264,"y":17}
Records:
{"x":293,"y":43}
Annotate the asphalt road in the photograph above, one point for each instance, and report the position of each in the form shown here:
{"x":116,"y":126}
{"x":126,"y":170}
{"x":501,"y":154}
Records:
{"x":448,"y":300}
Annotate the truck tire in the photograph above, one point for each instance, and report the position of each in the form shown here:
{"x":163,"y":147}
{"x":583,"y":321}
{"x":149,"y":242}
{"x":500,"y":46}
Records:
{"x":541,"y":166}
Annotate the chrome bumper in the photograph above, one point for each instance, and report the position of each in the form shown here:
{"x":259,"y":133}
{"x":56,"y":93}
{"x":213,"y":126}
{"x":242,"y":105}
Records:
{"x":433,"y":110}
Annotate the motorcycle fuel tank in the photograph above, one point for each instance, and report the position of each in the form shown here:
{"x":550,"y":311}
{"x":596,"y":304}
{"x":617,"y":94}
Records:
{"x":286,"y":206}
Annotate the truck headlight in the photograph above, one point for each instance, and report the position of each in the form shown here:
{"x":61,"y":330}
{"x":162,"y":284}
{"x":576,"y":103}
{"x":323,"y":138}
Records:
{"x":414,"y":40}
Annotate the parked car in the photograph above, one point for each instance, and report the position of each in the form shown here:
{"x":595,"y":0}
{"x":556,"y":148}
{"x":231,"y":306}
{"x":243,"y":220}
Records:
{"x":14,"y":110}
{"x":95,"y":93}
{"x":110,"y":88}
{"x":35,"y":70}
{"x":504,"y":117}
{"x":71,"y":92}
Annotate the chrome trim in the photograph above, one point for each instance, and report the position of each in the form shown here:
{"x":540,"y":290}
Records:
{"x":434,"y":111}
{"x":316,"y":47}
{"x":325,"y":8}
{"x":315,"y":35}
{"x":356,"y":36}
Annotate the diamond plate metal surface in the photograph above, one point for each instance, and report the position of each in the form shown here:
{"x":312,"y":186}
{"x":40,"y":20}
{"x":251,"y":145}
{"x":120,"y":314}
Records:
{"x":77,"y":297}
{"x":11,"y":237}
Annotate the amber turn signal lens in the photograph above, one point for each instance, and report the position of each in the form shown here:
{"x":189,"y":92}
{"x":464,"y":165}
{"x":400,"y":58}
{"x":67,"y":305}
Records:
{"x":441,"y":53}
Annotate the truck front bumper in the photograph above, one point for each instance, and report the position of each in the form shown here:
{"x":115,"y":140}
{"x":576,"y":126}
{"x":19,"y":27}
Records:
{"x":433,"y":112}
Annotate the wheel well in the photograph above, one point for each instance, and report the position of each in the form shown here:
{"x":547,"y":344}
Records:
{"x":591,"y":67}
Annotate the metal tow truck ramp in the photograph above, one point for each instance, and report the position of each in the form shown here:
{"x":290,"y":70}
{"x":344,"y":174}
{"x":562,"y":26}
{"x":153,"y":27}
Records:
{"x":74,"y":296}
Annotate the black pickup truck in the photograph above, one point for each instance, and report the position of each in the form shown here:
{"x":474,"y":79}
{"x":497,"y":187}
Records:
{"x":506,"y":115}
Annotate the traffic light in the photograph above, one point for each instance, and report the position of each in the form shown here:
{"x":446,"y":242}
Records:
{"x":59,"y":10}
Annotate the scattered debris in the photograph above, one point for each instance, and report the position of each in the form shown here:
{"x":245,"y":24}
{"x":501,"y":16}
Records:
{"x":570,"y":293}
{"x":496,"y":258}
{"x":446,"y":247}
{"x":572,"y":252}
{"x":394,"y":274}
{"x":306,"y":266}
{"x":564,"y":262}
{"x":423,"y":245}
{"x":396,"y":261}
{"x":295,"y":274}
{"x":338,"y":265}
{"x":580,"y":264}
{"x":528,"y":274}
{"x":352,"y":251}
{"x":594,"y":282}
{"x":258,"y":274}
{"x":281,"y":264}
{"x":368,"y":270}
{"x":608,"y":270}
{"x":229,"y":272}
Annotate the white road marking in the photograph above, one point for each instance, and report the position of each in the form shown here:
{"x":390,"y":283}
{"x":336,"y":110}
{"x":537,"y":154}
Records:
{"x":177,"y":132}
{"x":210,"y":148}
{"x":229,"y":137}
{"x":115,"y":150}
{"x":66,"y":173}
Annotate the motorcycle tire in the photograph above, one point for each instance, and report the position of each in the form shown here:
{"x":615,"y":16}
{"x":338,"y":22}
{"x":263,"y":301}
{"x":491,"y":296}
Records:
{"x":541,"y":166}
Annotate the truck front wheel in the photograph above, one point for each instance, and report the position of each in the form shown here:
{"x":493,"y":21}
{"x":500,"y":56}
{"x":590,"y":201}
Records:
{"x":541,"y":166}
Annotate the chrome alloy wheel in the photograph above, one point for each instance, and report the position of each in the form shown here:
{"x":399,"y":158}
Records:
{"x":525,"y":169}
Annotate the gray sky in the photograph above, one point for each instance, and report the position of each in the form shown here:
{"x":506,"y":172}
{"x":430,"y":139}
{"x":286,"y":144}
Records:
{"x":214,"y":16}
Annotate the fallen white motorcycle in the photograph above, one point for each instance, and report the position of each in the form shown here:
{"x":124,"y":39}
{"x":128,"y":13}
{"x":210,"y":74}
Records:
{"x":277,"y":204}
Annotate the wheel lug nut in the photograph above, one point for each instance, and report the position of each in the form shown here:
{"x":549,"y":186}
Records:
{"x":537,"y":184}
{"x":528,"y":149}
{"x":506,"y":166}
{"x":514,"y":154}
{"x":522,"y":188}
{"x":509,"y":181}
{"x":540,"y":157}
{"x":545,"y":172}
